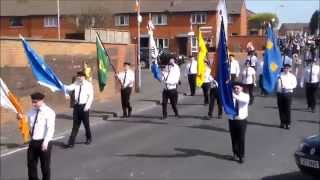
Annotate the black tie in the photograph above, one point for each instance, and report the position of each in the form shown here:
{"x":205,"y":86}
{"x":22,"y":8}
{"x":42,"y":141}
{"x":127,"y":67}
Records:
{"x":34,"y":122}
{"x":237,"y":107}
{"x":310,"y":75}
{"x":79,"y":94}
{"x":124,"y":79}
{"x":246,"y":73}
{"x":190,"y":67}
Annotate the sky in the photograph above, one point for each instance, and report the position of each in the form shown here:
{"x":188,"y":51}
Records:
{"x":288,"y":11}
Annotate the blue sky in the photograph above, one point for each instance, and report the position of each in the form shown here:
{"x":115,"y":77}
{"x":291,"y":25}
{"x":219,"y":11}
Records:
{"x":288,"y":11}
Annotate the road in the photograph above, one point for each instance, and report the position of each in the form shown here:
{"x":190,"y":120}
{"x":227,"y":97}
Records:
{"x":190,"y":147}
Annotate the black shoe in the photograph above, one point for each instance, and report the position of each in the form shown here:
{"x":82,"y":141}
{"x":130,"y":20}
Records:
{"x":241,"y":160}
{"x":235,"y":157}
{"x":287,"y":126}
{"x":88,"y":141}
{"x":163,"y":117}
{"x":282,"y":126}
{"x":69,"y":145}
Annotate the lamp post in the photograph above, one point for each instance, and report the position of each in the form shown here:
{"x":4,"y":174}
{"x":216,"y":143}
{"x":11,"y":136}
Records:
{"x":58,"y":18}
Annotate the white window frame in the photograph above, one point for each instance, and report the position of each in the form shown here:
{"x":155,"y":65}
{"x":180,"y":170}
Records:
{"x":230,"y":19}
{"x":160,"y":19}
{"x":194,"y":44}
{"x":165,"y":43}
{"x":50,"y":21}
{"x":118,"y":20}
{"x":199,"y":18}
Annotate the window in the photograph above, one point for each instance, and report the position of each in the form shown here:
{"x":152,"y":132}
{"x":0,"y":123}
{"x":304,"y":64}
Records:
{"x":16,"y":21}
{"x":160,"y":19}
{"x":51,"y":21}
{"x":194,"y":44}
{"x":230,"y":19}
{"x":122,"y":20}
{"x":162,"y":43}
{"x":199,"y":18}
{"x":234,"y":34}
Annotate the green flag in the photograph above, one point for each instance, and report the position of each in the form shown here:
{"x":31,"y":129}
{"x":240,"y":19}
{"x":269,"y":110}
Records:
{"x":103,"y":64}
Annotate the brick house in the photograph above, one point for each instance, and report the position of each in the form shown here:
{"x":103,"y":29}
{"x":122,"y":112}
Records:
{"x":33,"y":18}
{"x":293,"y":28}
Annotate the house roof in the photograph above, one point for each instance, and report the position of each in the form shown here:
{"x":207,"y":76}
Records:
{"x":72,"y":7}
{"x":293,"y":26}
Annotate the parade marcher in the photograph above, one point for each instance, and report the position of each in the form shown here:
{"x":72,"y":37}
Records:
{"x":252,"y":56}
{"x":234,"y":68}
{"x":297,"y":65}
{"x":286,"y":59}
{"x":311,"y":78}
{"x":126,"y":79}
{"x":286,"y":83}
{"x":191,"y":73}
{"x":42,"y":124}
{"x":83,"y":95}
{"x":238,"y":124}
{"x":170,"y":79}
{"x":214,"y":95}
{"x":260,"y":73}
{"x":249,"y":80}
{"x":206,"y":83}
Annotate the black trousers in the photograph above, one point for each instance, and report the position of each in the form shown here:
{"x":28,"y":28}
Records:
{"x":79,"y":115}
{"x":173,"y":96}
{"x":284,"y":105}
{"x":35,"y":153}
{"x":125,"y":100}
{"x":248,"y":88}
{"x":311,"y":90}
{"x":237,"y":130}
{"x":205,"y":89}
{"x":214,"y":95}
{"x":262,"y":90}
{"x":192,"y":83}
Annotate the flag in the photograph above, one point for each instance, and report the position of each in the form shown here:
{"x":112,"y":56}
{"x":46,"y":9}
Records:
{"x":272,"y":62}
{"x":41,"y":71}
{"x":222,"y":14}
{"x":153,"y":53}
{"x":225,"y":87}
{"x":9,"y":101}
{"x":201,"y":58}
{"x":103,"y":63}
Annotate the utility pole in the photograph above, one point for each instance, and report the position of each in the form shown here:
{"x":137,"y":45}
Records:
{"x":138,"y":69}
{"x":58,"y":18}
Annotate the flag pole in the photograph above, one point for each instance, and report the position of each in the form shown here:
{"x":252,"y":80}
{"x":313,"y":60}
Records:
{"x":138,"y":69}
{"x":58,"y":9}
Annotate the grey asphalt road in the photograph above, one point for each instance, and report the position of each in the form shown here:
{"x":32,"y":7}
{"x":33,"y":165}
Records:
{"x":145,"y":147}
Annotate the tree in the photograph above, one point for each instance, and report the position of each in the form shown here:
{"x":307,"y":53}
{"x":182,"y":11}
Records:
{"x":258,"y":20}
{"x":314,"y":22}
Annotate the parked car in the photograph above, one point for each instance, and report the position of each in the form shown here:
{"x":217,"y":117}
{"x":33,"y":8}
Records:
{"x":308,"y":156}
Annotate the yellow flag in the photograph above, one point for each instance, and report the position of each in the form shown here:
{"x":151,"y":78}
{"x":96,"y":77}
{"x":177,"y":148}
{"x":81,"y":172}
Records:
{"x":201,"y":58}
{"x":9,"y":101}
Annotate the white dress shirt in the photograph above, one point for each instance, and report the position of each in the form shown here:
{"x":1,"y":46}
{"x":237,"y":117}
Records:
{"x":253,"y":60}
{"x":193,"y":69}
{"x":44,"y":126}
{"x":127,"y":80}
{"x":170,"y":76}
{"x":86,"y":94}
{"x":247,"y":75}
{"x":315,"y":76}
{"x":207,"y":75}
{"x":286,"y":83}
{"x":243,"y":101}
{"x":235,"y":67}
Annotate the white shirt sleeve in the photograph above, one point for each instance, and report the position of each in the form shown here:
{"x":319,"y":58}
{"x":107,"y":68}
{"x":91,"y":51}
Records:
{"x":90,"y":98}
{"x":51,"y":117}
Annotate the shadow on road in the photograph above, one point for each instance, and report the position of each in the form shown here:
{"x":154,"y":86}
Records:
{"x":293,"y":109}
{"x":289,"y":176}
{"x":151,"y":100}
{"x":309,"y":121}
{"x":183,"y":153}
{"x":263,"y":124}
{"x":207,"y":127}
{"x":12,"y":145}
{"x":64,"y":116}
{"x":138,"y":121}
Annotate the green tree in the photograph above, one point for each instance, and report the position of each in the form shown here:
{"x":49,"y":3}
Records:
{"x":258,"y":20}
{"x":314,"y":22}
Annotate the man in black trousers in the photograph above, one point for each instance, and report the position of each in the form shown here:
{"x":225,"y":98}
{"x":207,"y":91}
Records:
{"x":41,"y":120}
{"x":213,"y":97}
{"x":83,"y":96}
{"x":191,"y":72}
{"x":238,"y":124}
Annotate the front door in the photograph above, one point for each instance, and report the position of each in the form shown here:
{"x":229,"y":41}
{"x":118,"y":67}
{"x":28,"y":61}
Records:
{"x":182,"y":43}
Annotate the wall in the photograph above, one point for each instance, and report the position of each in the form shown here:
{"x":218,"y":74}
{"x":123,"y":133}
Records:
{"x":65,"y":58}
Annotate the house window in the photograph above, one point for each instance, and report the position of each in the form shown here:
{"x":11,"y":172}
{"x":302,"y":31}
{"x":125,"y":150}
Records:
{"x":162,"y":43}
{"x":234,"y":34}
{"x":160,"y":19}
{"x":16,"y":21}
{"x":122,"y":20}
{"x":51,"y":21}
{"x":230,"y":19}
{"x":194,"y":44}
{"x":199,"y":18}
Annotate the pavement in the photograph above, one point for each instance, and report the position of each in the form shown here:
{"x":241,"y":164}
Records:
{"x":189,"y":147}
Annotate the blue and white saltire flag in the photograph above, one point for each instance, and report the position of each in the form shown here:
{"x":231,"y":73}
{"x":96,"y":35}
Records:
{"x":41,"y":71}
{"x":153,"y":50}
{"x":272,"y":62}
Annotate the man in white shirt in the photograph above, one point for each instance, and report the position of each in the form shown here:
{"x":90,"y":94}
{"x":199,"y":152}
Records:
{"x":214,"y":95}
{"x":170,"y":79}
{"x":286,"y":59}
{"x":206,"y":83}
{"x":287,"y":82}
{"x":260,"y":74}
{"x":311,"y":77}
{"x":41,"y":120}
{"x":126,"y":79}
{"x":83,"y":96}
{"x":249,"y":80}
{"x":234,"y":68}
{"x":238,"y":124}
{"x":252,"y":58}
{"x":191,"y":73}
